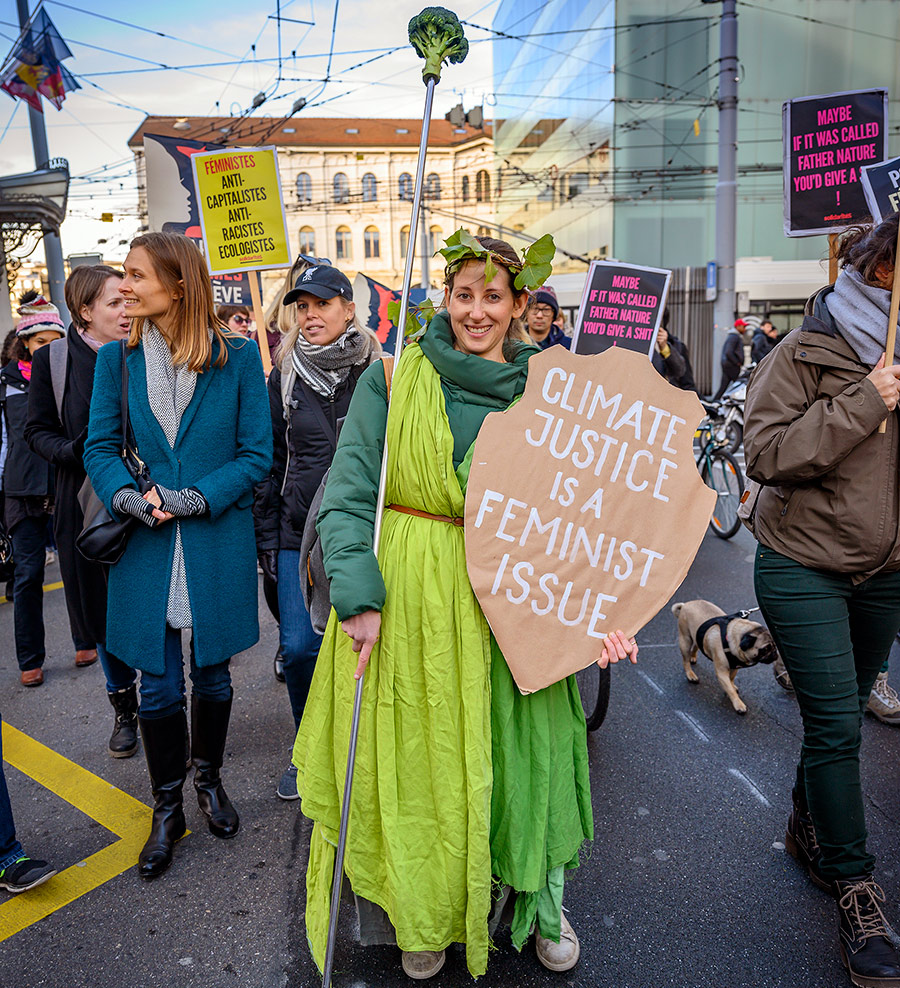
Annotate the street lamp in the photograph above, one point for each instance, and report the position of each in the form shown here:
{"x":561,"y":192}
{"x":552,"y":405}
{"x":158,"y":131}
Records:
{"x":29,"y":202}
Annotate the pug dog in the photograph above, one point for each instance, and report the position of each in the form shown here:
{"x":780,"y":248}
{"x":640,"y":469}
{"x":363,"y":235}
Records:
{"x":731,"y":641}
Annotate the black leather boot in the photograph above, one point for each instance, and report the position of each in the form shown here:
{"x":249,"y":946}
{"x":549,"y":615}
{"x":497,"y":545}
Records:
{"x":164,"y":749}
{"x":800,"y":841}
{"x":209,"y":729}
{"x":866,"y":950}
{"x":123,"y":742}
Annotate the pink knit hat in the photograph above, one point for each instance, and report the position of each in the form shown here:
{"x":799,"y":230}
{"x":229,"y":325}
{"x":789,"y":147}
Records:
{"x":39,"y":315}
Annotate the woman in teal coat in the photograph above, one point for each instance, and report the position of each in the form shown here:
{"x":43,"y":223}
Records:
{"x":199,"y":414}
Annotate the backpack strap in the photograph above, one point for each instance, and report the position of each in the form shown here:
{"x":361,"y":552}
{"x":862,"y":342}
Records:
{"x":288,"y":376}
{"x":59,"y":363}
{"x":387,"y":364}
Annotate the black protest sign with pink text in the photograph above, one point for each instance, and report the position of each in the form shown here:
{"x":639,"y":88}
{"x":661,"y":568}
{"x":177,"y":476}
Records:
{"x":621,"y":306}
{"x":827,"y":140}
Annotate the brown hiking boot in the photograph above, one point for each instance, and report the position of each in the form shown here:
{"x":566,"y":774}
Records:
{"x":866,"y":949}
{"x":800,"y":842}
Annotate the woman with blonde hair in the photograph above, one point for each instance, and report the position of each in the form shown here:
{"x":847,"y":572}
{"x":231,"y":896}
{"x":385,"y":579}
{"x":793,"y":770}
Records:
{"x":197,"y":408}
{"x":323,"y":354}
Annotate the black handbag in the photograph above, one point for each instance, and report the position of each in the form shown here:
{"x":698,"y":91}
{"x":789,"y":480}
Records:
{"x":103,"y":538}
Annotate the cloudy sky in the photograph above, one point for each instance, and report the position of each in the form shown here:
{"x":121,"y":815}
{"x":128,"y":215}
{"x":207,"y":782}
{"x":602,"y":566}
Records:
{"x":227,"y":52}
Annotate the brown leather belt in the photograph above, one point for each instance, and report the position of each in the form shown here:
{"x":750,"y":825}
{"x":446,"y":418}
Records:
{"x":459,"y":522}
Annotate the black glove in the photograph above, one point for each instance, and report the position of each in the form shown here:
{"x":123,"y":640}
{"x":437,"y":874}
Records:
{"x":268,"y":561}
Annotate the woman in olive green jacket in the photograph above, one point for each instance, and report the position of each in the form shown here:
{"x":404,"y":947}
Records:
{"x":462,"y":784}
{"x":828,"y":565}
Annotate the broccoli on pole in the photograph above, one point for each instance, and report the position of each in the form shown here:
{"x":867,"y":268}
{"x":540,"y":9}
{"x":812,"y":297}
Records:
{"x":437,"y":36}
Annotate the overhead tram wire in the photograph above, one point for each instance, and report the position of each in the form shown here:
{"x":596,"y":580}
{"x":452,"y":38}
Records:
{"x":138,"y":27}
{"x":817,"y":20}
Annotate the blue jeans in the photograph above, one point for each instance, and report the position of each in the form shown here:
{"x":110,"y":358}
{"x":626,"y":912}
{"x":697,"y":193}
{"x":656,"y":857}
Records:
{"x":10,"y":848}
{"x":29,"y":542}
{"x":118,"y":675}
{"x":299,"y":643}
{"x":162,"y":696}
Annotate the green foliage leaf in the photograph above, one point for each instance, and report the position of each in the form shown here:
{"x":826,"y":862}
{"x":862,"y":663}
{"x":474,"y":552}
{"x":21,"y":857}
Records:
{"x":490,"y":270}
{"x":538,"y":263}
{"x":417,"y":317}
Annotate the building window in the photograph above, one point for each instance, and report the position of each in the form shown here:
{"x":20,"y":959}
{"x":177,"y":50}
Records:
{"x":482,"y":187}
{"x":372,"y":240}
{"x":406,"y":186}
{"x":433,"y":186}
{"x":435,"y":236}
{"x":578,"y":183}
{"x":369,"y":187}
{"x":342,"y":243}
{"x":307,"y":240}
{"x":341,"y":187}
{"x":404,"y":241}
{"x":304,"y":187}
{"x":465,"y":188}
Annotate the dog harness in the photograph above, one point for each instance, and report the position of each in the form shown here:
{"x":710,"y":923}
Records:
{"x":722,"y":623}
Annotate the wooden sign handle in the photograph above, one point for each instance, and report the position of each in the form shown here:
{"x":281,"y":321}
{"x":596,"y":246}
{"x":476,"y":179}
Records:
{"x":892,"y":318}
{"x":262,"y":336}
{"x":832,"y":258}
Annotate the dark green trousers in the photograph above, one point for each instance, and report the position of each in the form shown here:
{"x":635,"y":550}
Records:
{"x":834,"y":637}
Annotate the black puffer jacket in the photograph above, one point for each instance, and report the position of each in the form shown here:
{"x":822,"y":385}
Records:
{"x":25,"y":474}
{"x":282,"y":500}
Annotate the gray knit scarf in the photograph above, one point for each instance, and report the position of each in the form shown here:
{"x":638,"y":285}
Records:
{"x":861,"y":312}
{"x":169,"y":392}
{"x":325,"y":368}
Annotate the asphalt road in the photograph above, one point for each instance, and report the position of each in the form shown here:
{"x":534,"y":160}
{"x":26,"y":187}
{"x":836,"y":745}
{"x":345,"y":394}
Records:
{"x":687,"y":883}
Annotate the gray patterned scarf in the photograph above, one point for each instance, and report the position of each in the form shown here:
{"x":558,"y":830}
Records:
{"x":325,"y":368}
{"x":861,"y":312}
{"x":169,"y":392}
{"x":169,"y":388}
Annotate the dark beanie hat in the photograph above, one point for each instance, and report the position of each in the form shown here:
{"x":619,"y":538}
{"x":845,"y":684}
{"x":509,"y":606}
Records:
{"x":544,"y":297}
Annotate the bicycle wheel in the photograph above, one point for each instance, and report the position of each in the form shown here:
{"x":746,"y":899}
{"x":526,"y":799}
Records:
{"x":593,"y":685}
{"x":721,"y":472}
{"x":734,"y":435}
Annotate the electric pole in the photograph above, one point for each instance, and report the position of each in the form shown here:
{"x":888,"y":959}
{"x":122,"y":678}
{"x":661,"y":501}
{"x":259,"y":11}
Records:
{"x":726,"y":184}
{"x":56,"y":272}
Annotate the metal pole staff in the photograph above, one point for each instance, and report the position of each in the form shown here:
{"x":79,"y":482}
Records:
{"x":337,"y":880}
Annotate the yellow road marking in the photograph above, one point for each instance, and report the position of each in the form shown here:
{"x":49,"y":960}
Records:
{"x":47,"y":587}
{"x":115,"y":810}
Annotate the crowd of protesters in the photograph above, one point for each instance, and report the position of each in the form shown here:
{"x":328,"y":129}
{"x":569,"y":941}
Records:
{"x":239,"y":476}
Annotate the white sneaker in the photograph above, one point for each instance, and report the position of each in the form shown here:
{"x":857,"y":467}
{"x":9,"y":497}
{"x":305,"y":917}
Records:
{"x":562,"y":956}
{"x":884,"y":702}
{"x":422,"y":964}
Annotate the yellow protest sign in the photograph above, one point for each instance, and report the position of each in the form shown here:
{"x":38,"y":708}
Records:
{"x":241,"y":210}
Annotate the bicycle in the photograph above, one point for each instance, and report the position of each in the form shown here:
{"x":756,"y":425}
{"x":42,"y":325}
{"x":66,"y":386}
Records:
{"x":720,"y":471}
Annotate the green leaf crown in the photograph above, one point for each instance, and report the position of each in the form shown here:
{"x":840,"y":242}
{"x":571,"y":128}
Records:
{"x":534,"y":269}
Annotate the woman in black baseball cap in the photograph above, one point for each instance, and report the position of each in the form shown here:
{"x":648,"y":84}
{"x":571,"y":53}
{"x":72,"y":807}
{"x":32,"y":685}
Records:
{"x":317,"y":366}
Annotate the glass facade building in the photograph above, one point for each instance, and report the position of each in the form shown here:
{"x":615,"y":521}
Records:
{"x":606,"y":120}
{"x":553,"y":121}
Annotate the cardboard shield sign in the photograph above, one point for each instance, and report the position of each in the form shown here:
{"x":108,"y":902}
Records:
{"x":584,"y":509}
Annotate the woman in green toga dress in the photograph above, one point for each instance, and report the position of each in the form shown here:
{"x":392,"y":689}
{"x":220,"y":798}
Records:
{"x":465,"y":790}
